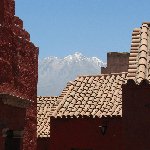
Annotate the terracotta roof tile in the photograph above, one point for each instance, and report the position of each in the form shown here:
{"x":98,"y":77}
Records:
{"x":97,"y":97}
{"x":45,"y":107}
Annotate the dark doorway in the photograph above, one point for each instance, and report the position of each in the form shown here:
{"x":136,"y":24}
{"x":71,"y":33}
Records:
{"x":11,"y":143}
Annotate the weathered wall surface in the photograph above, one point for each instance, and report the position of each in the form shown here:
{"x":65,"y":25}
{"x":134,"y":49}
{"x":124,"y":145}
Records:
{"x":18,"y":61}
{"x":18,"y":66}
{"x":136,"y":110}
{"x":7,"y":11}
{"x":85,"y":134}
{"x":116,"y":63}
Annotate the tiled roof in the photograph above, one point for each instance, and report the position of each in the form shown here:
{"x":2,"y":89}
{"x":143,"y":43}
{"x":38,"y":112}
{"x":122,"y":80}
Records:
{"x":99,"y":95}
{"x":139,"y":60}
{"x":45,"y":107}
{"x":93,"y":95}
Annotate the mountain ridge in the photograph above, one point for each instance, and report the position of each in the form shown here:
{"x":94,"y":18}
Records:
{"x":55,"y":72}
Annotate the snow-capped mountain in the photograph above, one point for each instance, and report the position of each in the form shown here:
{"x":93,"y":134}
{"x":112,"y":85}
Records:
{"x":54,"y":72}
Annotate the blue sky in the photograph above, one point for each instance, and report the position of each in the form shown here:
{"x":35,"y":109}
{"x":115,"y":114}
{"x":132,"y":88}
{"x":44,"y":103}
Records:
{"x":92,"y":27}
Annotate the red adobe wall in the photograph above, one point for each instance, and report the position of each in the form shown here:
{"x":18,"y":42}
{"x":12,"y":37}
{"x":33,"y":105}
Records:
{"x":7,"y":10}
{"x":136,"y":116}
{"x":11,"y":118}
{"x":18,"y":56}
{"x":84,"y":133}
{"x":116,"y":63}
{"x":18,"y":66}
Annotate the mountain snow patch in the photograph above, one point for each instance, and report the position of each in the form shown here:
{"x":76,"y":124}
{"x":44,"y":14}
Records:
{"x":54,"y":72}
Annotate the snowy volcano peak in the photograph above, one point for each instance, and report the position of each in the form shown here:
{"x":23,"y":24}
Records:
{"x":55,"y":72}
{"x":74,"y":57}
{"x":78,"y":55}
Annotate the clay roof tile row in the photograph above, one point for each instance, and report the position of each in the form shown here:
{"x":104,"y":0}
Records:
{"x":98,"y":98}
{"x":45,"y":107}
{"x":139,"y":55}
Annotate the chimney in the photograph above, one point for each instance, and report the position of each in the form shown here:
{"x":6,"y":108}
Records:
{"x":116,"y":62}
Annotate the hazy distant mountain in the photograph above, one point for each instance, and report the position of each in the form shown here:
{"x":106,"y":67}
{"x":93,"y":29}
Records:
{"x":54,"y":72}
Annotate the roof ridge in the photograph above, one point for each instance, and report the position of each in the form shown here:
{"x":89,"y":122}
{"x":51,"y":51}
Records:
{"x":86,"y":116}
{"x":146,"y":22}
{"x":99,"y":75}
{"x":48,"y":96}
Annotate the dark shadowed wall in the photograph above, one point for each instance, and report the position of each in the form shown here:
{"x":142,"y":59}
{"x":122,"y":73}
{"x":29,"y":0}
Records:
{"x":136,"y":116}
{"x":85,"y":133}
{"x":43,"y":143}
{"x":12,"y":118}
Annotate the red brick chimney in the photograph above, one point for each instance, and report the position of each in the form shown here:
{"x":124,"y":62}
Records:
{"x":116,"y":63}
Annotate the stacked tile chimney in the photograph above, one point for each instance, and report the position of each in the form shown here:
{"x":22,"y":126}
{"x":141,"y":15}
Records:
{"x":18,"y":67}
{"x":134,"y":53}
{"x":116,"y":63}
